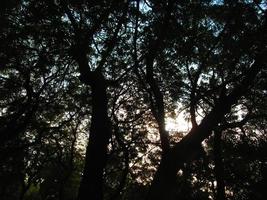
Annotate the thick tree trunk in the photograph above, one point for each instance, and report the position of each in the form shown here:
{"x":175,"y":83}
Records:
{"x":96,"y":154}
{"x":164,"y":182}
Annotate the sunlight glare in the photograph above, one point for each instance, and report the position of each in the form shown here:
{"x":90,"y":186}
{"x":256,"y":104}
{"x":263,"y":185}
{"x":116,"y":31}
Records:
{"x":178,"y":124}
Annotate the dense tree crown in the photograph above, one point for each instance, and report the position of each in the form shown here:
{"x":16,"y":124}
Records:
{"x":133,"y":100}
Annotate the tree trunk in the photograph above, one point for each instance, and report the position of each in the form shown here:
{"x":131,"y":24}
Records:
{"x":219,"y":171}
{"x":91,"y":186}
{"x":164,"y":182}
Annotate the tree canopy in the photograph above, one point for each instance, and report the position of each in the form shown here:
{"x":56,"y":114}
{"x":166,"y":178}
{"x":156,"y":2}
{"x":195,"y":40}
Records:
{"x":89,"y":87}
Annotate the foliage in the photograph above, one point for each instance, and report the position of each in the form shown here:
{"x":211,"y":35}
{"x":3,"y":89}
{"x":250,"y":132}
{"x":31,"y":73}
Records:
{"x":147,"y":60}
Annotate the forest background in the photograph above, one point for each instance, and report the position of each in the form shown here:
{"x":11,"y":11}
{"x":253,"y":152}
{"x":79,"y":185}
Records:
{"x":133,"y":99}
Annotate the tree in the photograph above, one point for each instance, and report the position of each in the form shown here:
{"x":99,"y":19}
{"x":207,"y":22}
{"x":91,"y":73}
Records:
{"x":121,"y":68}
{"x":164,"y":179}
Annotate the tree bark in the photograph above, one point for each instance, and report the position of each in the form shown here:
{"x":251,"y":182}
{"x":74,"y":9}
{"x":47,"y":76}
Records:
{"x":91,"y":186}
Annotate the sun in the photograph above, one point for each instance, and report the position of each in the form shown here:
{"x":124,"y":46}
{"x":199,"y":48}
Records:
{"x":177,"y":124}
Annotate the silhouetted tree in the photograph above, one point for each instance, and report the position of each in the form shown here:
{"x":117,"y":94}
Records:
{"x":86,"y":88}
